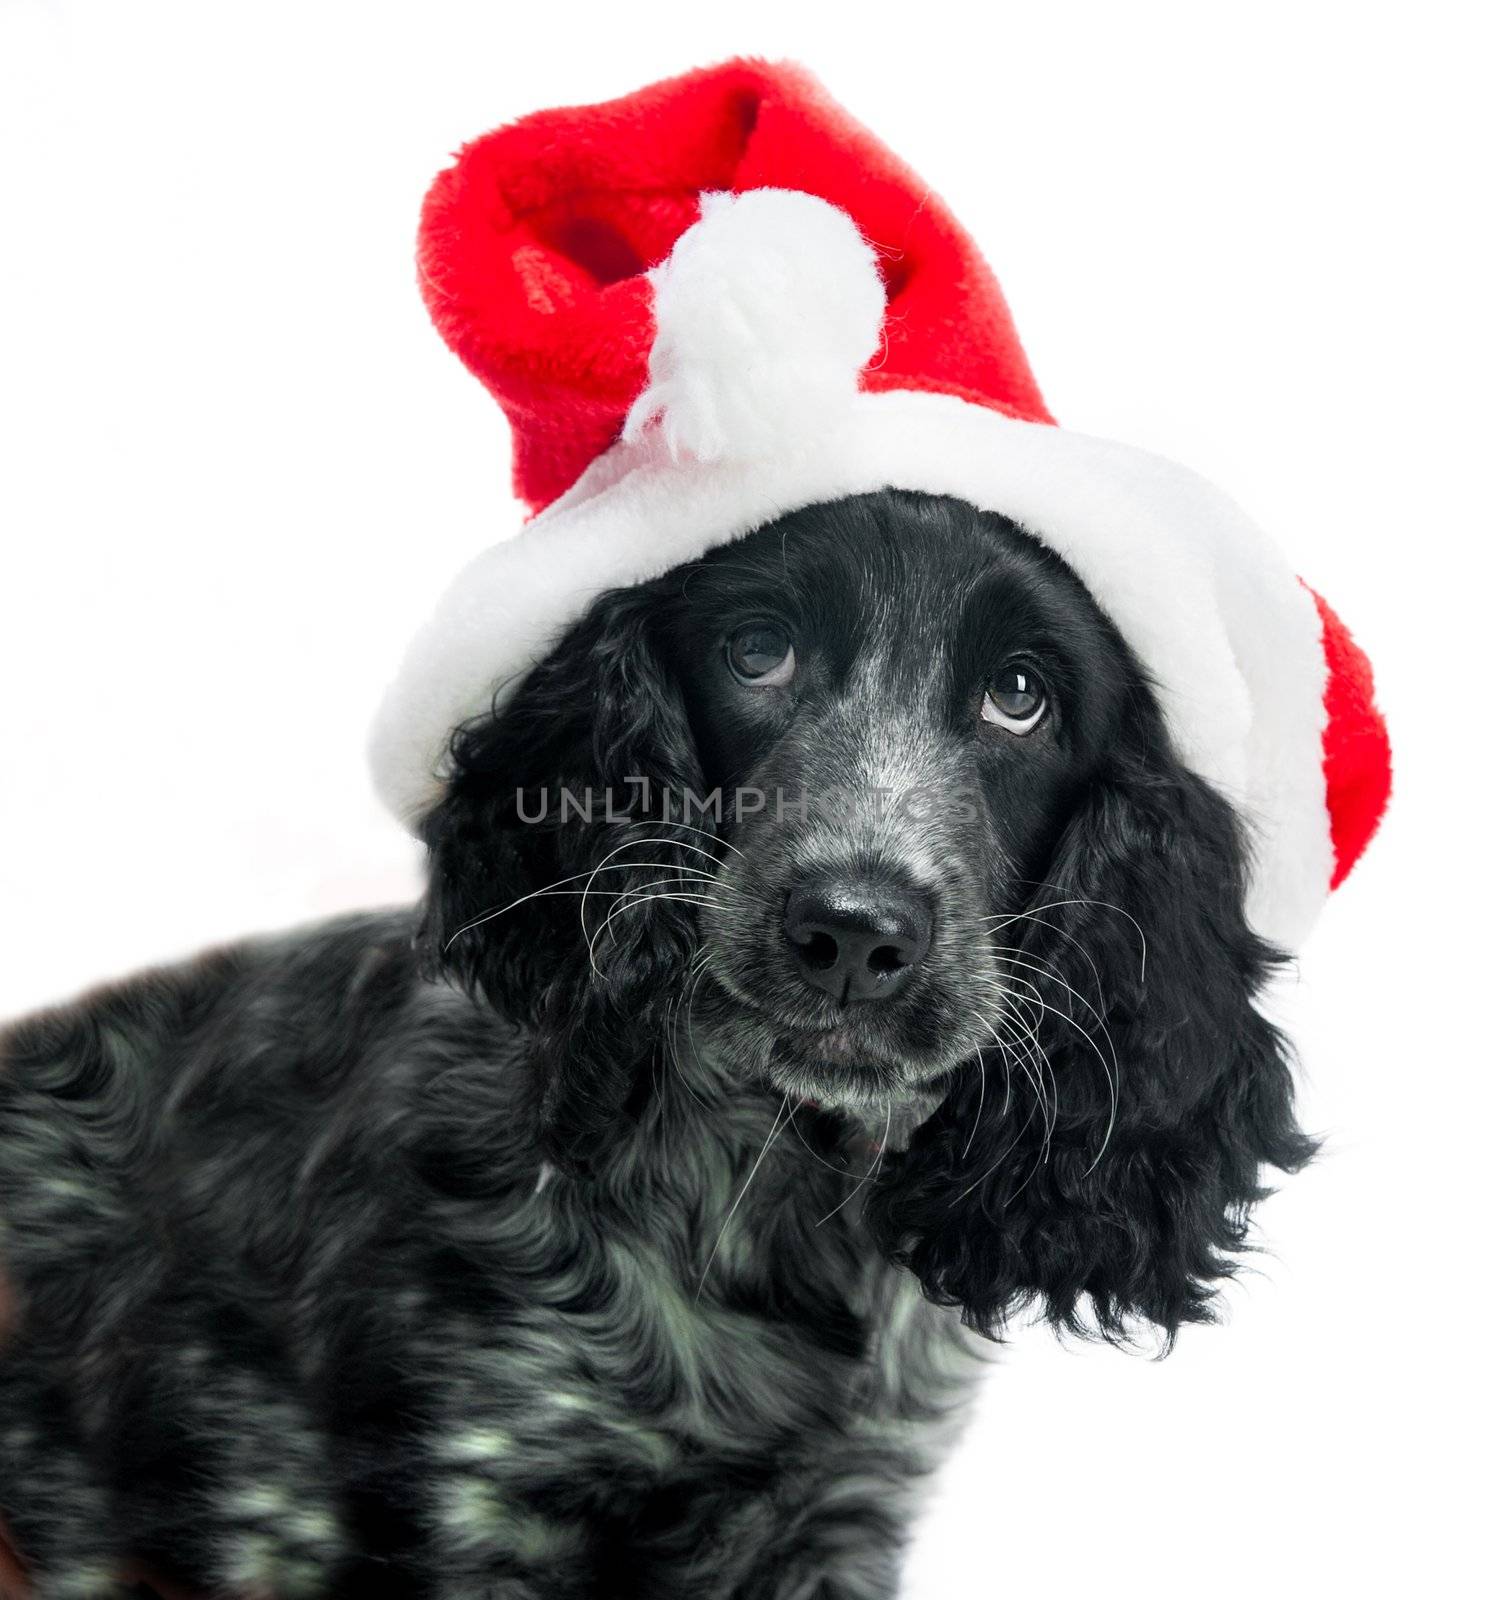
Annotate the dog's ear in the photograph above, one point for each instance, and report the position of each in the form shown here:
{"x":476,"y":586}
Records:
{"x":1108,"y":1174}
{"x":559,"y":890}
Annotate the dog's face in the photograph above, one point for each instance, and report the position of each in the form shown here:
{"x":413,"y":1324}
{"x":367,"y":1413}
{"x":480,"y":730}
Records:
{"x":895,"y":706}
{"x":874,"y":806}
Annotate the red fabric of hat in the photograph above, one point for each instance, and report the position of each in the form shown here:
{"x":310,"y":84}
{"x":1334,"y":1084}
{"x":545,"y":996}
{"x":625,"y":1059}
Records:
{"x":535,"y":245}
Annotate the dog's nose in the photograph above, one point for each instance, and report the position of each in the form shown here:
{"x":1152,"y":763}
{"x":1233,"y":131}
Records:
{"x":856,"y":940}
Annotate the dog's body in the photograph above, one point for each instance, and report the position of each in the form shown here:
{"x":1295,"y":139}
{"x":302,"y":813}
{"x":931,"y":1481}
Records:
{"x":346,"y":1306}
{"x":573,"y":1238}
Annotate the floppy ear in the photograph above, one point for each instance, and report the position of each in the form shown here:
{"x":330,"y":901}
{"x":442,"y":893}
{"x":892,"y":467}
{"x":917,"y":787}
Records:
{"x":549,"y":904}
{"x":1111,"y":1178}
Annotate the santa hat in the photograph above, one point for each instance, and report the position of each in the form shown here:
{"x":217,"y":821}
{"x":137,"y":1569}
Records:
{"x":720,"y":299}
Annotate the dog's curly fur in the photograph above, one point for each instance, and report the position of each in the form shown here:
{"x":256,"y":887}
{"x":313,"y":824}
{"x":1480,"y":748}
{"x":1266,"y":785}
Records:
{"x":554,"y":1239}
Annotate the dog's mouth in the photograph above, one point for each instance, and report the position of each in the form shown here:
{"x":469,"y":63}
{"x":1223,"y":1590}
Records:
{"x":838,"y":1068}
{"x":851,"y":1063}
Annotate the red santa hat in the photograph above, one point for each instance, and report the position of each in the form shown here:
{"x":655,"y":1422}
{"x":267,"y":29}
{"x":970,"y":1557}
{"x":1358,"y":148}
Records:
{"x":720,"y":299}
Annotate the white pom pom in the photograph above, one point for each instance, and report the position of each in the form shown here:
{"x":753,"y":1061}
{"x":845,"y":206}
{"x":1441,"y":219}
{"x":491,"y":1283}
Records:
{"x":765,"y":312}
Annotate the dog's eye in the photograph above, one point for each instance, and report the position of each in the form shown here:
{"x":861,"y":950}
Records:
{"x":761,"y":655}
{"x":1014,"y":700}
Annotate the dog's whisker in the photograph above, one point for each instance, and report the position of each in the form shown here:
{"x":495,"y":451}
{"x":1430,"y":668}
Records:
{"x":619,"y":849}
{"x":1005,"y":1066}
{"x":673,"y":1010}
{"x":681,"y":880}
{"x":551,"y":889}
{"x":1111,"y":1073}
{"x":1000,"y":1161}
{"x":1014,"y":955}
{"x":980,"y":1107}
{"x":686,"y":827}
{"x":1031,"y":1057}
{"x":1031,"y":1172}
{"x":1045,"y":1153}
{"x":810,"y":1150}
{"x":1111,"y":1066}
{"x":682,"y":844}
{"x":1062,"y":933}
{"x":626,"y":901}
{"x":1035,"y":1044}
{"x":1010,"y":955}
{"x":1031,"y":914}
{"x":867,"y":1176}
{"x":680,"y":1005}
{"x":696,"y":984}
{"x":1029,"y":991}
{"x":768,"y":1145}
{"x":668,"y":1033}
{"x":634,"y":904}
{"x":1017,"y":1004}
{"x":1024,"y":1049}
{"x":1099,"y":1021}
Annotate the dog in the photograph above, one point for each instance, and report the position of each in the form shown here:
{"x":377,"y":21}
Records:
{"x":825,"y":954}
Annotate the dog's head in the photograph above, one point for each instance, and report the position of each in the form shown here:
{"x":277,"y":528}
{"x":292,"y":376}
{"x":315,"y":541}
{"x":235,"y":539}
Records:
{"x":875,"y":806}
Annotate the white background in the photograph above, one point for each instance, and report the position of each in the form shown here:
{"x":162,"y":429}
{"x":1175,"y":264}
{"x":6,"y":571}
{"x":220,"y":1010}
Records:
{"x":238,"y":467}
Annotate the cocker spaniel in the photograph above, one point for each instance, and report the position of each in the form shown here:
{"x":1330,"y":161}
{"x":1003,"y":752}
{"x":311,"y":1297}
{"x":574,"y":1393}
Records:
{"x":824,"y":954}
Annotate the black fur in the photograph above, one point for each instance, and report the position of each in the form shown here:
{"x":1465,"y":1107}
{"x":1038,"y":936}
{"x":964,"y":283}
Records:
{"x":553,"y":1243}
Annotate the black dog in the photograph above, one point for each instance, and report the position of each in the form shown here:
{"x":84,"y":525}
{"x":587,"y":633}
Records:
{"x":552,"y":1241}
